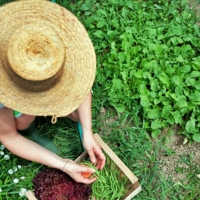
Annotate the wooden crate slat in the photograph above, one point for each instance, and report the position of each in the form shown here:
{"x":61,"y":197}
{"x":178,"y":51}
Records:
{"x":30,"y":195}
{"x":133,"y":193}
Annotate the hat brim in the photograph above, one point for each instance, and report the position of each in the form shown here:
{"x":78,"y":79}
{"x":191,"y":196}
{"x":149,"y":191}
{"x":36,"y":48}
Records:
{"x":80,"y":60}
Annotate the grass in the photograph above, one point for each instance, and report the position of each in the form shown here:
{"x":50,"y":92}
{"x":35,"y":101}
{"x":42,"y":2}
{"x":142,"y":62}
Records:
{"x":125,"y":133}
{"x":131,"y":143}
{"x":141,"y":155}
{"x":137,"y":150}
{"x":15,"y":175}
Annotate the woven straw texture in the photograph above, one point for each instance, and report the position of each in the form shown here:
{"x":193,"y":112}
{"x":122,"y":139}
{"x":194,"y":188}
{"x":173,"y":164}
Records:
{"x":48,"y":62}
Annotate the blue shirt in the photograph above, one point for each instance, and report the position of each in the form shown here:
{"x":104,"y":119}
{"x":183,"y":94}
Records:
{"x":1,"y":105}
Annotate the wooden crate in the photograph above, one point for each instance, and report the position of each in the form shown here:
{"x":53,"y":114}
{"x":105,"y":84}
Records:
{"x":133,"y":185}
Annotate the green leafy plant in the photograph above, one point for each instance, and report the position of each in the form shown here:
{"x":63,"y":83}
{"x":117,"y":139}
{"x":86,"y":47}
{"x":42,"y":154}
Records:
{"x":148,"y":54}
{"x":147,"y":79}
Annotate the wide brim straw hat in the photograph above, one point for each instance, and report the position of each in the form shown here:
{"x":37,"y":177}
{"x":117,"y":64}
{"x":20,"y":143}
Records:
{"x":48,"y":62}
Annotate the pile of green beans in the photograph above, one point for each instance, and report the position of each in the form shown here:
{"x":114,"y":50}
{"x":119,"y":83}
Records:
{"x":110,"y":184}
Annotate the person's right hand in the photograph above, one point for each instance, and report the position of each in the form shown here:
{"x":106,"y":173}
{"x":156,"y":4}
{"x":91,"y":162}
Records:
{"x":94,"y":151}
{"x":74,"y":170}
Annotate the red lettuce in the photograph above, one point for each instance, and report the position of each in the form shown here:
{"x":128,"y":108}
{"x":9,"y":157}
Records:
{"x":53,"y":184}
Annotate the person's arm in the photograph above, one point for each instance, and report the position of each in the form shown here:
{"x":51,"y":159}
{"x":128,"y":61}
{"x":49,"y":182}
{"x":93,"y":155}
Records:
{"x":95,"y":153}
{"x":29,"y":150}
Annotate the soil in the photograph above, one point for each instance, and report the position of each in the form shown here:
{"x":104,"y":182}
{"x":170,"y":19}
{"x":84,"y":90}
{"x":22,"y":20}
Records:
{"x":185,"y":155}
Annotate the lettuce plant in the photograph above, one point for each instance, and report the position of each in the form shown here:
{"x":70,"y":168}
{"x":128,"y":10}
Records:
{"x":54,"y":184}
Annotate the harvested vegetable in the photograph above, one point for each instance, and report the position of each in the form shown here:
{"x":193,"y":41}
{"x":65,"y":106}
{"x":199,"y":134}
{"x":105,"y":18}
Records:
{"x":53,"y":184}
{"x":86,"y":174}
{"x":110,"y":183}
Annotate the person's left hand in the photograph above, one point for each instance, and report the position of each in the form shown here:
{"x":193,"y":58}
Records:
{"x":94,"y":151}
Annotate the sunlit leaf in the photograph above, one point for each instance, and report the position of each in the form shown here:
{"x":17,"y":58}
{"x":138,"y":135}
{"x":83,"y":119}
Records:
{"x":164,"y":78}
{"x":196,"y":137}
{"x":144,"y":100}
{"x":190,"y":125}
{"x":154,"y":113}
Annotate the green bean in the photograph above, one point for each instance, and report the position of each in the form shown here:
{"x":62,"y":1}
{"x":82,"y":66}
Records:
{"x":110,"y":185}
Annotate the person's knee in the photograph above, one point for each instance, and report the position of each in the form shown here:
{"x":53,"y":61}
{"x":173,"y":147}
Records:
{"x":24,"y":121}
{"x":74,"y":116}
{"x":7,"y":121}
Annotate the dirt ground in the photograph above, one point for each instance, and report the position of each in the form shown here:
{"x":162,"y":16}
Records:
{"x":195,"y":6}
{"x":184,"y":155}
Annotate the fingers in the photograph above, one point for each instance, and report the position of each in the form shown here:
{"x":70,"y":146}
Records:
{"x":95,"y":153}
{"x":101,"y":159}
{"x":100,"y":164}
{"x":79,"y":178}
{"x":77,"y":171}
{"x":86,"y":173}
{"x":92,"y":156}
{"x":87,"y":169}
{"x":98,"y":158}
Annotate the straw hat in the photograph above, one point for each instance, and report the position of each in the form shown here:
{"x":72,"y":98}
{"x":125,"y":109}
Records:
{"x":48,"y":62}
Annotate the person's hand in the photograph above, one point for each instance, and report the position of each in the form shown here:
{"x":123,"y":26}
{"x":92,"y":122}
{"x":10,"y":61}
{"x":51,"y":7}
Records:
{"x":94,"y":151}
{"x":74,"y":170}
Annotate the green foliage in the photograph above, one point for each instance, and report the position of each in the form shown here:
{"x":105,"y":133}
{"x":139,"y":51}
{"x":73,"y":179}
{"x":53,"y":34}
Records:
{"x":148,"y":57}
{"x":2,"y":2}
{"x":142,"y":156}
{"x":148,"y":70}
{"x":64,"y":135}
{"x":15,"y":175}
{"x":148,"y":54}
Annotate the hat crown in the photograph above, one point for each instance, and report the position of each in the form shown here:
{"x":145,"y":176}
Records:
{"x":36,"y":57}
{"x":38,"y":76}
